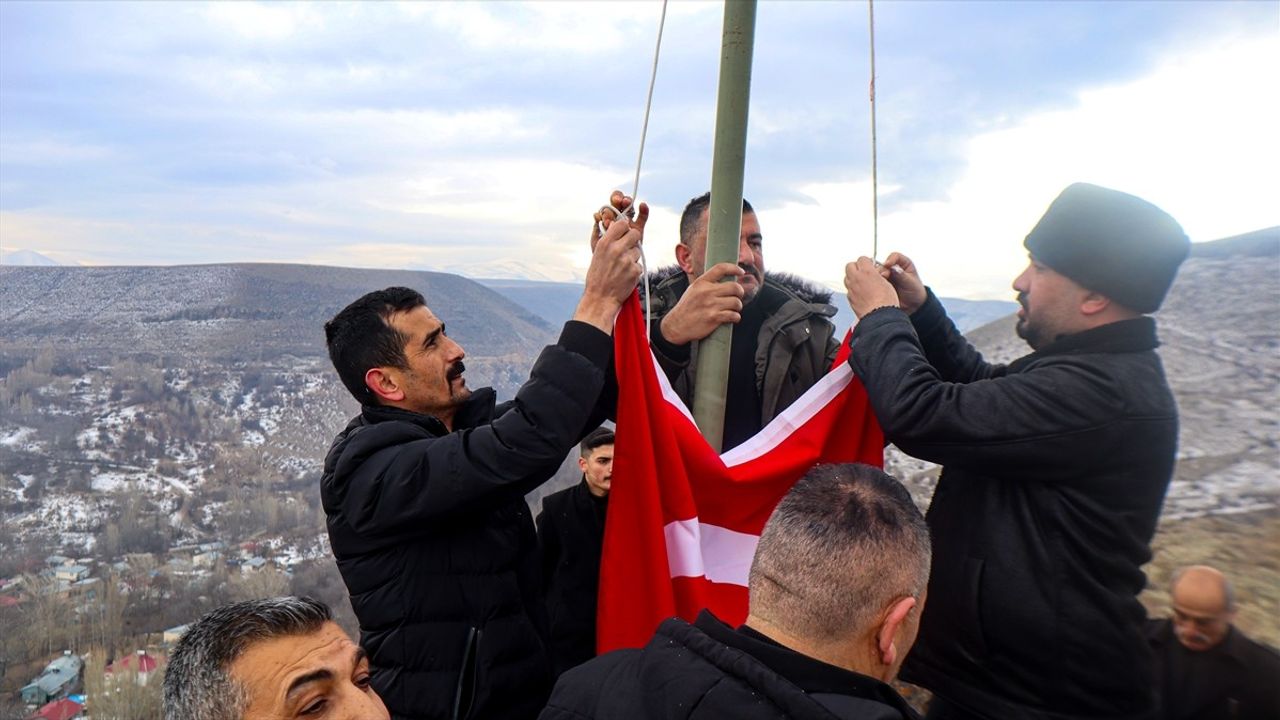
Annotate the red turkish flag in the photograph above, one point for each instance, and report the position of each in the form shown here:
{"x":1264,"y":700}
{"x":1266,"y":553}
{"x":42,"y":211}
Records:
{"x":683,"y":522}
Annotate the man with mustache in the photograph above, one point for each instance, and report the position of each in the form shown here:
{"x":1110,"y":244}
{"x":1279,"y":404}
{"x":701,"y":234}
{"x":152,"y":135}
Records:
{"x":1055,"y":465}
{"x":1206,"y":669}
{"x":570,"y":540}
{"x":783,"y":339}
{"x":423,"y":493}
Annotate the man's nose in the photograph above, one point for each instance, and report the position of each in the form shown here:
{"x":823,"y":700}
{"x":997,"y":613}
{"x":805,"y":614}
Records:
{"x":1018,"y":283}
{"x":456,"y":352}
{"x":744,"y":253}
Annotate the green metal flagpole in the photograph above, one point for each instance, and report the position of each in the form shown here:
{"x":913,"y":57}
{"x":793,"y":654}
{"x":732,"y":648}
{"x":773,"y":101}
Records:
{"x":724,"y":222}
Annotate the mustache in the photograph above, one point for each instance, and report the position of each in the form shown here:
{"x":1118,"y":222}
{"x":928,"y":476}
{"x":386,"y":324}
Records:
{"x":750,"y":269}
{"x":1022,"y":299}
{"x":1192,"y":636}
{"x":456,"y":370}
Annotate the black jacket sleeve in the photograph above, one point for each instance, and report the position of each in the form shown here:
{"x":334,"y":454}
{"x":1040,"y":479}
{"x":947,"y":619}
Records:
{"x":1007,"y":420}
{"x":401,"y":476}
{"x":946,"y":349}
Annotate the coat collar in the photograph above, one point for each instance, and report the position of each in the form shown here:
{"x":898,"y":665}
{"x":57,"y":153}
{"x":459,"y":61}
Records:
{"x":809,"y":674}
{"x":476,"y":410}
{"x":1124,"y":336}
{"x":667,"y":284}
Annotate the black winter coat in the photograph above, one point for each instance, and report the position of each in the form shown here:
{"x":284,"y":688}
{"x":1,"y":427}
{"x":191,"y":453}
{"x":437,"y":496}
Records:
{"x":709,"y":671}
{"x":1055,"y":468}
{"x":1238,"y":679}
{"x":436,"y":544}
{"x":570,"y":540}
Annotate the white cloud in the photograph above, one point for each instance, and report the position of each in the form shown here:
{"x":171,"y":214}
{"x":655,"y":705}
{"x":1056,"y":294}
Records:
{"x":260,"y":21}
{"x":1196,"y":136}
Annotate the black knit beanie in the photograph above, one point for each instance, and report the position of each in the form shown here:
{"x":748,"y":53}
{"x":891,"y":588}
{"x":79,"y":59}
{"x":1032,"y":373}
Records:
{"x":1112,"y":243}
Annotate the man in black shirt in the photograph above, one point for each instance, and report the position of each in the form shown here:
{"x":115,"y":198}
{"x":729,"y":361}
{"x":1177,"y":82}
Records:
{"x":423,"y":493}
{"x":570,"y":538}
{"x":1206,"y":669}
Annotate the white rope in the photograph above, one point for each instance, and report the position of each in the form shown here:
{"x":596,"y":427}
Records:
{"x":635,"y":187}
{"x":875,"y":189}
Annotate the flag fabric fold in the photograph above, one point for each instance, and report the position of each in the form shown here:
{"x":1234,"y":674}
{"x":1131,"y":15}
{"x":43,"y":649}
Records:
{"x":683,"y":521}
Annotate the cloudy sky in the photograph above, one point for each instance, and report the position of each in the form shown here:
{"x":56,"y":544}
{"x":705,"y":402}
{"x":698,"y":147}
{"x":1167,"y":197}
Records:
{"x":479,"y":137}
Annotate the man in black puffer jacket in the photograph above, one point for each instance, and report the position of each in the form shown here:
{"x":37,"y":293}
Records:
{"x":836,"y":589}
{"x":424,"y":494}
{"x":1055,"y":466}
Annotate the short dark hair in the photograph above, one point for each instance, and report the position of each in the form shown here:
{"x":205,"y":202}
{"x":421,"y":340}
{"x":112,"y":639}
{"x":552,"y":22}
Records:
{"x":843,"y":543}
{"x":599,"y":437}
{"x":360,"y":337}
{"x":197,"y":682}
{"x":693,"y":212}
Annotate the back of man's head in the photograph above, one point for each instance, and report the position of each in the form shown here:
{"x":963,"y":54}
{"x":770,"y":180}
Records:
{"x":843,"y":546}
{"x":359,"y":337}
{"x":198,"y":683}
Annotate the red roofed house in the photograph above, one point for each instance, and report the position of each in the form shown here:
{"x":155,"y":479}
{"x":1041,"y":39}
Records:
{"x":63,"y":709}
{"x":141,"y":664}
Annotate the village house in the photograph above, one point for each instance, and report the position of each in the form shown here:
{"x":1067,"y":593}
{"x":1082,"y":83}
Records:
{"x":60,"y":678}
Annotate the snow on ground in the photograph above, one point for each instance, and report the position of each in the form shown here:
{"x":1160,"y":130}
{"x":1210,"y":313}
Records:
{"x":1242,"y":487}
{"x":65,"y":512}
{"x":210,"y":511}
{"x":106,"y":482}
{"x":17,"y":437}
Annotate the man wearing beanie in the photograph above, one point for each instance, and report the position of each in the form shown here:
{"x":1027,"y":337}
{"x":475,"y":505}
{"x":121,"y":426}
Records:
{"x":1054,"y":466}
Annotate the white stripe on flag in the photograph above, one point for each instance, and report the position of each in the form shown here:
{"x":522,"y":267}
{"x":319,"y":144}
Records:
{"x":721,"y":554}
{"x":794,"y":417}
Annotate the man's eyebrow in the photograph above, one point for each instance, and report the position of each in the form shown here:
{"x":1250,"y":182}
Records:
{"x":755,"y":236}
{"x":431,"y":336}
{"x":303,"y":680}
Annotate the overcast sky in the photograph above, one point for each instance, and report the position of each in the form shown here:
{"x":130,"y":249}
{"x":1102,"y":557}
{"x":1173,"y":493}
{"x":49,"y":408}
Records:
{"x":480,"y":137}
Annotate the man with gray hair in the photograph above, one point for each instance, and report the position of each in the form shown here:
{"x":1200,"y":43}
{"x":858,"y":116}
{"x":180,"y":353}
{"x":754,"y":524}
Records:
{"x":275,"y":658}
{"x":835,"y":594}
{"x":1206,"y":669}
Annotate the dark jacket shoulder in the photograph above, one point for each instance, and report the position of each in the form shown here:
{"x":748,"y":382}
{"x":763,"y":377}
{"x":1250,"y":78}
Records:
{"x":691,"y":672}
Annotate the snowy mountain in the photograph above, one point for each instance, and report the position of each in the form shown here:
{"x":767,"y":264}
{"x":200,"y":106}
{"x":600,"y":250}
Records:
{"x":26,"y":258}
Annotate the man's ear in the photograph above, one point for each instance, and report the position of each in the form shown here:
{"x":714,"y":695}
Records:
{"x":886,"y":638}
{"x":383,"y":383}
{"x":582,"y":463}
{"x":1094,"y":303}
{"x":684,"y":260}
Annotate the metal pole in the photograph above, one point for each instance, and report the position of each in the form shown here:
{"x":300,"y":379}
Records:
{"x":724,"y":221}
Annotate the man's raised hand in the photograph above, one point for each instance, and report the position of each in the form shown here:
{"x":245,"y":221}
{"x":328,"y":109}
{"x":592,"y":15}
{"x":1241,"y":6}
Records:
{"x":620,"y":205}
{"x":910,"y":288}
{"x":706,"y":305}
{"x":867,"y":287}
{"x":614,"y":271}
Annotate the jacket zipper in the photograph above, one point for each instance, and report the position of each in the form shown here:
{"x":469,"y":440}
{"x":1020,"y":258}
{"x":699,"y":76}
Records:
{"x":465,"y":694}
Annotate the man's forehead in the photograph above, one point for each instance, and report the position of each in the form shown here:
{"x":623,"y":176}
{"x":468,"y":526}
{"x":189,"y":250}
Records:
{"x":270,"y":665}
{"x":602,"y":450}
{"x":418,"y":319}
{"x":704,"y":223}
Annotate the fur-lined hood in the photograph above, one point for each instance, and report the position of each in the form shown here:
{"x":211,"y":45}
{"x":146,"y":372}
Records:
{"x":802,"y":289}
